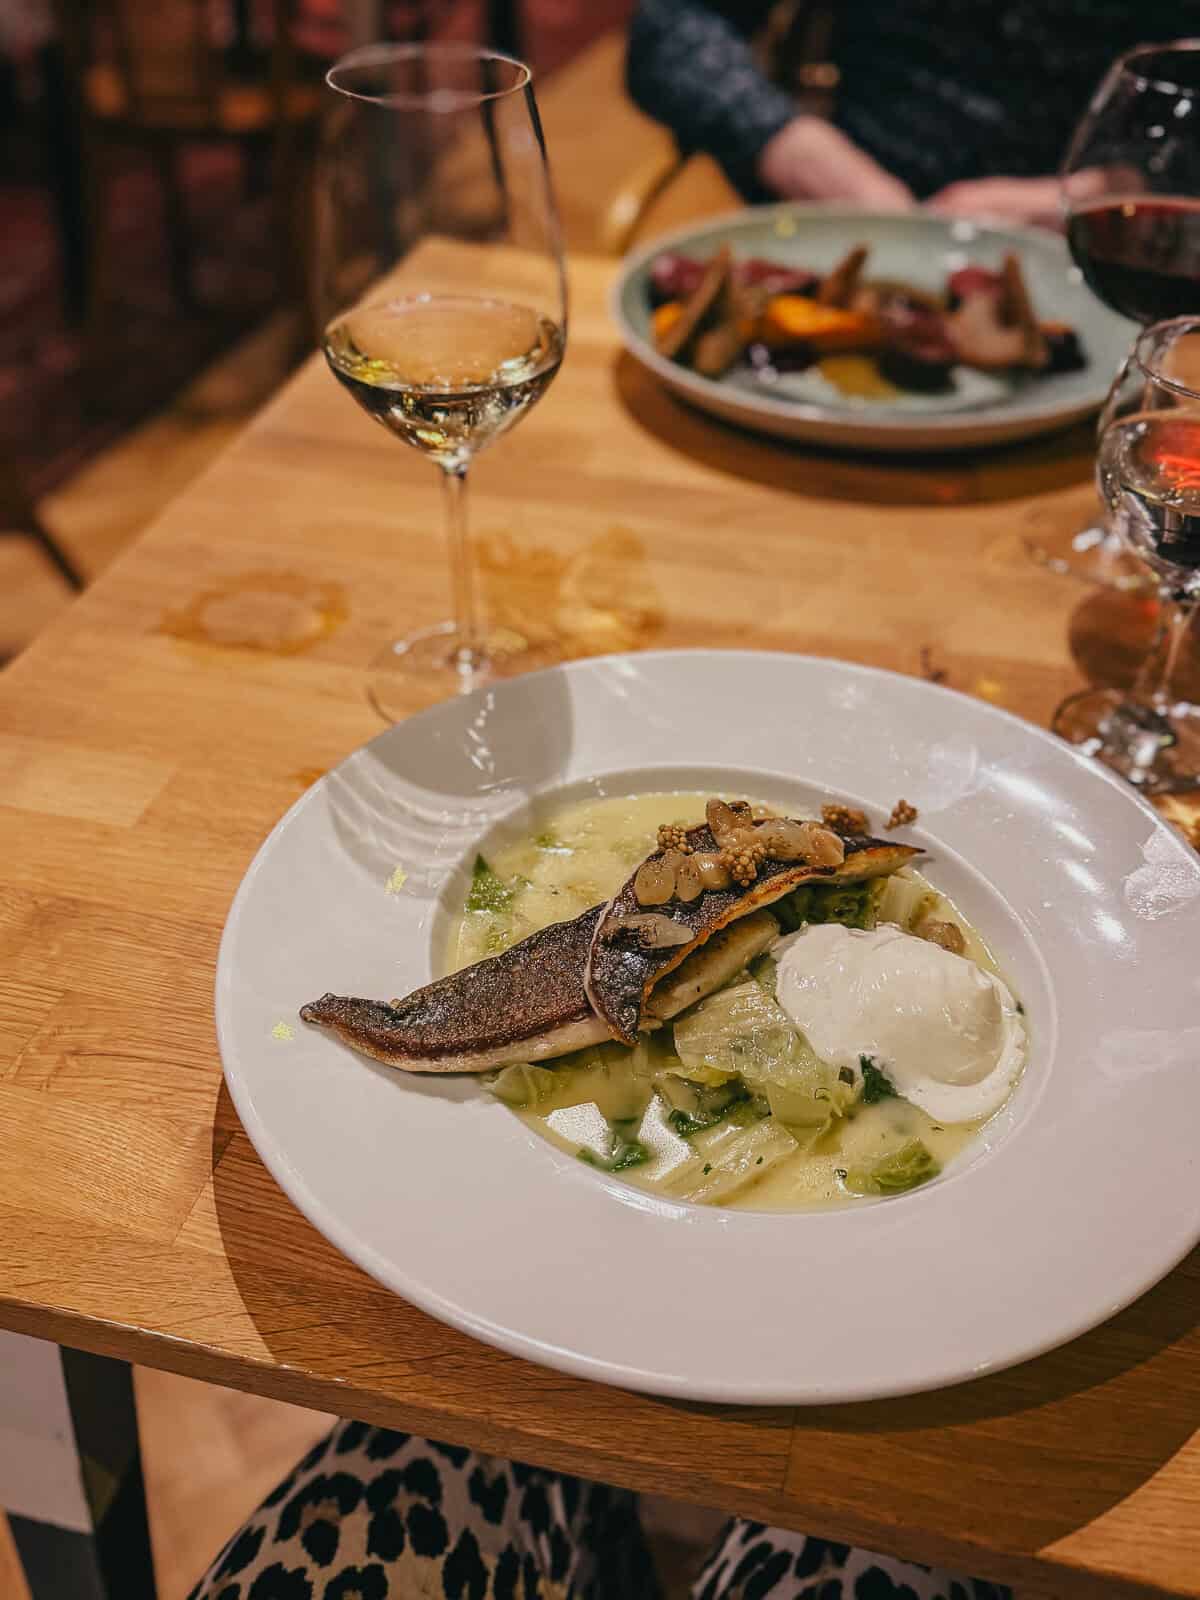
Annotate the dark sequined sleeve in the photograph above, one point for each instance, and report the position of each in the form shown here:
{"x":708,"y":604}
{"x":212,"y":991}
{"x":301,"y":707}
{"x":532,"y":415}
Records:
{"x":934,"y":90}
{"x":690,"y":66}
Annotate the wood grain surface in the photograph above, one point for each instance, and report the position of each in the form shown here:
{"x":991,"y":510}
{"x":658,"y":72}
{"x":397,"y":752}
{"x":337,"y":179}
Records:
{"x":149,"y":740}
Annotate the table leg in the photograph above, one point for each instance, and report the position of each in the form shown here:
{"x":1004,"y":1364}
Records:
{"x":71,"y":1473}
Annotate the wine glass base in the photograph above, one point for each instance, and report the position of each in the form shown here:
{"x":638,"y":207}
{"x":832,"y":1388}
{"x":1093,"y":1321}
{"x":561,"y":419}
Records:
{"x":1088,"y":554}
{"x":1157,"y":751}
{"x":433,"y":664}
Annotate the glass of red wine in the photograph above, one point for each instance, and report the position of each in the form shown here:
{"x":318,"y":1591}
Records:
{"x":1131,"y":194}
{"x":1149,"y":475}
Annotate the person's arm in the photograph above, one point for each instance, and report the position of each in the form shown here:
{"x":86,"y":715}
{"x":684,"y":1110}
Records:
{"x":1021,"y":200}
{"x":689,"y":66}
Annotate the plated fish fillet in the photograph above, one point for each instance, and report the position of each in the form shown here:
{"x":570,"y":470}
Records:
{"x":526,"y":1004}
{"x":581,"y":983}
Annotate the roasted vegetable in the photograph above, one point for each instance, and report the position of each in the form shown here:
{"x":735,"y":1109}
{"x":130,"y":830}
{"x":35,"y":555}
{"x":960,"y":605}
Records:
{"x":994,"y":326}
{"x":918,"y":354}
{"x":697,"y":308}
{"x":912,"y":337}
{"x":791,"y":319}
{"x":769,"y":364}
{"x":841,"y":285}
{"x":1017,"y":308}
{"x":730,"y":330}
{"x":664,"y":318}
{"x":1064,"y":353}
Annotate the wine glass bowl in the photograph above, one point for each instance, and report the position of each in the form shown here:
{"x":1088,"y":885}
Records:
{"x":1131,"y":202}
{"x":1149,"y":476}
{"x":443,"y":295}
{"x":1131,"y":185}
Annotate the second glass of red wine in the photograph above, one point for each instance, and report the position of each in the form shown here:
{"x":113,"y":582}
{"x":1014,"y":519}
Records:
{"x":1131,"y":193}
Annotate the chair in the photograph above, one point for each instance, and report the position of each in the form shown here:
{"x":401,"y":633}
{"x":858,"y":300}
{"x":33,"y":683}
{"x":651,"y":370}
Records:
{"x":606,"y":186}
{"x":149,"y":74}
{"x":18,"y":514}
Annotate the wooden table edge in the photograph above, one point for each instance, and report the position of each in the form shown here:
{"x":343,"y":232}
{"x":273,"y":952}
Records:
{"x":191,"y":1359}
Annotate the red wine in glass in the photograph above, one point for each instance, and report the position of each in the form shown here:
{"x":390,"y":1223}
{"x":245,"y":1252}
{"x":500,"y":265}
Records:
{"x":1131,"y":187}
{"x":1140,"y":254}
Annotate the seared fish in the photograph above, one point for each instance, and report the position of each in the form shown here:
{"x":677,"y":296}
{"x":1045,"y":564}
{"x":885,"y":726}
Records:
{"x":621,"y":975}
{"x":525,"y":1004}
{"x":569,"y":986}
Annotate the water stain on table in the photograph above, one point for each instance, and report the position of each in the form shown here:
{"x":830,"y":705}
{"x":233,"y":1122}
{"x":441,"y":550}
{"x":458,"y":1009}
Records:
{"x":273,"y":613}
{"x":599,"y":599}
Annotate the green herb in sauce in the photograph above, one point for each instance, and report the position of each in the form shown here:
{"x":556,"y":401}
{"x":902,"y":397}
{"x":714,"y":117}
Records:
{"x":489,"y":891}
{"x":876,"y":1084}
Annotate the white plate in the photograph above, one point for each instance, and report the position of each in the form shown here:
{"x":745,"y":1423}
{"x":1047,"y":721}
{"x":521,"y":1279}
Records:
{"x":1081,"y":1195}
{"x":982,"y":409}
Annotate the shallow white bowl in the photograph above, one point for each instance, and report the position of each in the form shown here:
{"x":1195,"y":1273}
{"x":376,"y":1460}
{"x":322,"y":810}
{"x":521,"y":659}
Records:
{"x":1080,"y":1195}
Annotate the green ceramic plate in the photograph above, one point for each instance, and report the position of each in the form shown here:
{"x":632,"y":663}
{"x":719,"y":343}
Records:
{"x":981,"y":409}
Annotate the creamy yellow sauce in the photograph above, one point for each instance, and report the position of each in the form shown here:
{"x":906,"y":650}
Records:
{"x":580,"y":854}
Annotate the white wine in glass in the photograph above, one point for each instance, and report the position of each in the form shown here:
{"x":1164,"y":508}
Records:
{"x":445,"y":373}
{"x":442,"y":272}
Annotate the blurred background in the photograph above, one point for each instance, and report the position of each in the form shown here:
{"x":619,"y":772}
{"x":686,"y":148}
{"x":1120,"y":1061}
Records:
{"x":155,"y":163}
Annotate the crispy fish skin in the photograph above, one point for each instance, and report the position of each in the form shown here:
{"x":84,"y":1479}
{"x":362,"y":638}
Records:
{"x":620,"y":975}
{"x":526,"y":1004}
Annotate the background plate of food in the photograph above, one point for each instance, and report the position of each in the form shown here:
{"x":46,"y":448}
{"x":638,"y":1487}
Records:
{"x":871,"y":331}
{"x":622,"y":1017}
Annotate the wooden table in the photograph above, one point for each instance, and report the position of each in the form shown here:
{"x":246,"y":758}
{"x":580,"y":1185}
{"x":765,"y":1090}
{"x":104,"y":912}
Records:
{"x":150,"y":739}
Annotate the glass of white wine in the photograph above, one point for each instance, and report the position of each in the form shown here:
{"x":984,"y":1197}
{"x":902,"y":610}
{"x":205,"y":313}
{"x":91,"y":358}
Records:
{"x":440,"y":269}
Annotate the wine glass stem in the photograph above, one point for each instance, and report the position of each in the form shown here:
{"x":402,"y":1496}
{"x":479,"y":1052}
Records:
{"x":1157,"y":675}
{"x":469,"y":644}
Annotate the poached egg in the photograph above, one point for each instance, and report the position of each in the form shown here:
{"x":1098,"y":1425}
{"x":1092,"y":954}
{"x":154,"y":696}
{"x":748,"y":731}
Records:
{"x":947,"y":1034}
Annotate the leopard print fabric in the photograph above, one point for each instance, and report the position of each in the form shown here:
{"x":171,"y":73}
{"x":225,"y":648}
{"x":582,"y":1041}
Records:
{"x":751,"y":1562}
{"x":370,"y":1514}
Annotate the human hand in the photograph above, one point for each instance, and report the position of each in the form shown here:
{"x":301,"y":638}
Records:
{"x":810,"y":159}
{"x":1020,"y":200}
